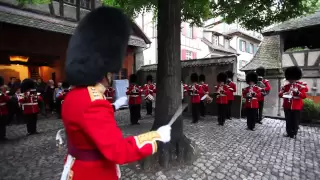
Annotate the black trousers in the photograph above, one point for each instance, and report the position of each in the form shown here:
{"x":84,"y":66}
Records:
{"x":222,"y":113}
{"x":195,"y":112}
{"x":202,"y":108}
{"x":229,"y":109}
{"x":3,"y":125}
{"x":260,"y":112}
{"x":292,"y":121}
{"x":149,"y":107}
{"x":134,"y":113}
{"x":251,"y":117}
{"x":31,"y":120}
{"x":58,"y":107}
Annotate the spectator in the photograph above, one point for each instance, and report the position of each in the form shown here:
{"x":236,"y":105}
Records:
{"x":12,"y":82}
{"x":41,"y":86}
{"x":49,"y":95}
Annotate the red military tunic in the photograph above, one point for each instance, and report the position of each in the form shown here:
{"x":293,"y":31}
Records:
{"x":62,"y":95}
{"x":295,"y":103}
{"x":251,"y":102}
{"x":266,"y":89}
{"x":205,"y":90}
{"x":109,"y":94}
{"x":185,"y":90}
{"x":305,"y":85}
{"x":232,"y":89}
{"x":195,"y":91}
{"x":91,"y":128}
{"x":134,"y":97}
{"x":149,"y":89}
{"x":29,"y":103}
{"x":222,"y":91}
{"x":4,"y":98}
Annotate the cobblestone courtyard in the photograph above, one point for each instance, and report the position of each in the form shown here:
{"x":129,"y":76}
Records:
{"x":228,"y":152}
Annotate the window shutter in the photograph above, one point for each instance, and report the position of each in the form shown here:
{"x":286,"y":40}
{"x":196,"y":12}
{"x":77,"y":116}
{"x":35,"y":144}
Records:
{"x":194,"y":55}
{"x":194,"y":33}
{"x":248,"y":47}
{"x":183,"y":54}
{"x":240,"y":45}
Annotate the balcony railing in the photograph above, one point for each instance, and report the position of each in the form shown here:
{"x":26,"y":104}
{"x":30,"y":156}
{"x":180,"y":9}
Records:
{"x":85,"y":4}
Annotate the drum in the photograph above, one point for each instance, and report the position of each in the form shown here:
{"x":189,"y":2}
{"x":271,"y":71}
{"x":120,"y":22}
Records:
{"x":204,"y":97}
{"x":150,"y":97}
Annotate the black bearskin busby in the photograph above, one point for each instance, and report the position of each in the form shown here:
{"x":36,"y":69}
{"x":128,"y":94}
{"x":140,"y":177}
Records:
{"x":27,"y":84}
{"x":133,"y":78}
{"x":149,"y":78}
{"x":97,"y":46}
{"x":65,"y":85}
{"x":229,"y":74}
{"x":1,"y":81}
{"x":252,"y":77}
{"x":202,"y":78}
{"x":194,"y":77}
{"x":261,"y":71}
{"x":293,"y":73}
{"x":222,"y":77}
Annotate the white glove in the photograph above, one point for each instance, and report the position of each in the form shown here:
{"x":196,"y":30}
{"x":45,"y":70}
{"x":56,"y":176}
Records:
{"x":165,"y":133}
{"x":120,"y":102}
{"x":59,"y":140}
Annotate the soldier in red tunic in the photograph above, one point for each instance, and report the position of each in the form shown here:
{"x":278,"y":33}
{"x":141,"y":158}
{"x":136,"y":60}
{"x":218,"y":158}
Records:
{"x":252,"y":94}
{"x":292,"y":94}
{"x":149,"y":91}
{"x":222,"y":91}
{"x":205,"y":91}
{"x":95,"y":143}
{"x":134,"y":92}
{"x":29,"y":104}
{"x":265,"y":90}
{"x":4,"y":99}
{"x":194,"y":91}
{"x":233,"y":88}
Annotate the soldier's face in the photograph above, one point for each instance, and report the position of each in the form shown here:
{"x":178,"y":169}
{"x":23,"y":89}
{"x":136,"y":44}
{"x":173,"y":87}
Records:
{"x":105,"y":82}
{"x":292,"y":81}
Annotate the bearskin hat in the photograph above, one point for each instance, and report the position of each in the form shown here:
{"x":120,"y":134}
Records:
{"x":229,"y":74}
{"x":222,"y":77}
{"x":27,"y":84}
{"x":97,"y":46}
{"x":261,"y":71}
{"x":251,"y":77}
{"x":194,"y":77}
{"x":1,"y":81}
{"x":133,"y":78}
{"x":202,"y":77}
{"x":293,"y":73}
{"x":65,"y":85}
{"x":149,"y":78}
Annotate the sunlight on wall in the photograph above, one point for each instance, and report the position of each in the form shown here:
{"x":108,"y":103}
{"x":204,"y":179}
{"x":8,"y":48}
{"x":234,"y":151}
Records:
{"x":7,"y":70}
{"x":45,"y":73}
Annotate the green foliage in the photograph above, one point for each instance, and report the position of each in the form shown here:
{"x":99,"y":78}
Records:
{"x":24,"y":2}
{"x":251,"y":14}
{"x":311,"y":110}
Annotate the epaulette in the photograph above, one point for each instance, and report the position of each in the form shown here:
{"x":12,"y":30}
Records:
{"x":94,"y":94}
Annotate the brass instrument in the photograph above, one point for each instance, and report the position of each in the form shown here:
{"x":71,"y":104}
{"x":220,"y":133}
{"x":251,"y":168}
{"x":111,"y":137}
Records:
{"x":193,"y":90}
{"x":250,"y":94}
{"x":220,"y":91}
{"x":262,"y":86}
{"x":289,"y":94}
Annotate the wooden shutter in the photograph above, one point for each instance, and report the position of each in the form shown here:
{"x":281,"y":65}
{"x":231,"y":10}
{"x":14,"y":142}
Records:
{"x":240,"y":44}
{"x":194,"y":55}
{"x":183,"y":54}
{"x":184,"y":29}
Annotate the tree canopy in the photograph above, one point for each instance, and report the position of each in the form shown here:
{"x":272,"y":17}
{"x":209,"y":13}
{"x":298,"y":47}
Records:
{"x":251,"y":14}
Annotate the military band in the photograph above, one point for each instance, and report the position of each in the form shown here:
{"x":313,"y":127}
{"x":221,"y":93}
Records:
{"x":265,"y":90}
{"x":232,"y":89}
{"x":293,"y":93}
{"x":149,"y":92}
{"x":194,"y":91}
{"x":222,"y":91}
{"x":252,"y":94}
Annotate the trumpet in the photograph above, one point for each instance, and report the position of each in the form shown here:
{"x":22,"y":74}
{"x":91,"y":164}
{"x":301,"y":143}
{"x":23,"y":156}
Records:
{"x":221,"y":91}
{"x":289,"y":95}
{"x":193,"y":90}
{"x":250,"y":94}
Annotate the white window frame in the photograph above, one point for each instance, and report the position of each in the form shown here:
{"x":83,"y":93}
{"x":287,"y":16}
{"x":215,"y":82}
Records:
{"x":189,"y":31}
{"x":243,"y":45}
{"x":188,"y":55}
{"x":215,"y":40}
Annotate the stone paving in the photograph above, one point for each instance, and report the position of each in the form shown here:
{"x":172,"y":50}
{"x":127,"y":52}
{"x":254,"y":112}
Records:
{"x":228,"y":152}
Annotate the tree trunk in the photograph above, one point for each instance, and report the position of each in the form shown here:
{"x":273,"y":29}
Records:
{"x":169,"y":86}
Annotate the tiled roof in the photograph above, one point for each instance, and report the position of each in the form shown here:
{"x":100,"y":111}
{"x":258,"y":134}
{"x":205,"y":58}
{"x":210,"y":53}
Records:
{"x":293,"y":24}
{"x":268,"y":55}
{"x":198,"y":62}
{"x":238,"y":31}
{"x":219,"y":48}
{"x":39,"y":21}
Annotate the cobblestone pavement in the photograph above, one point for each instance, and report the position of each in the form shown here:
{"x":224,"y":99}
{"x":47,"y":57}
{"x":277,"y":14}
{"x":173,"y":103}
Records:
{"x":228,"y":152}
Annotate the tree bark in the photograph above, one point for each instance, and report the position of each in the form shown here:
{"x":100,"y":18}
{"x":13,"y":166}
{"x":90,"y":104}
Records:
{"x":180,"y":149}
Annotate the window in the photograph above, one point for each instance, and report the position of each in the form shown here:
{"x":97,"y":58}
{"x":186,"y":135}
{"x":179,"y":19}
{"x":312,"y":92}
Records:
{"x":189,"y":31}
{"x":226,"y":43}
{"x":242,"y":46}
{"x":221,"y":40}
{"x":255,"y":48}
{"x":215,"y":40}
{"x":188,"y":55}
{"x":249,"y":48}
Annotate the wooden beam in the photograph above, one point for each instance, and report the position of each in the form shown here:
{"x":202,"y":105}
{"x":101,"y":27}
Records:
{"x":78,"y":10}
{"x":317,"y":63}
{"x":51,"y":8}
{"x":306,"y":56}
{"x":293,"y":59}
{"x":93,"y":4}
{"x":61,"y":8}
